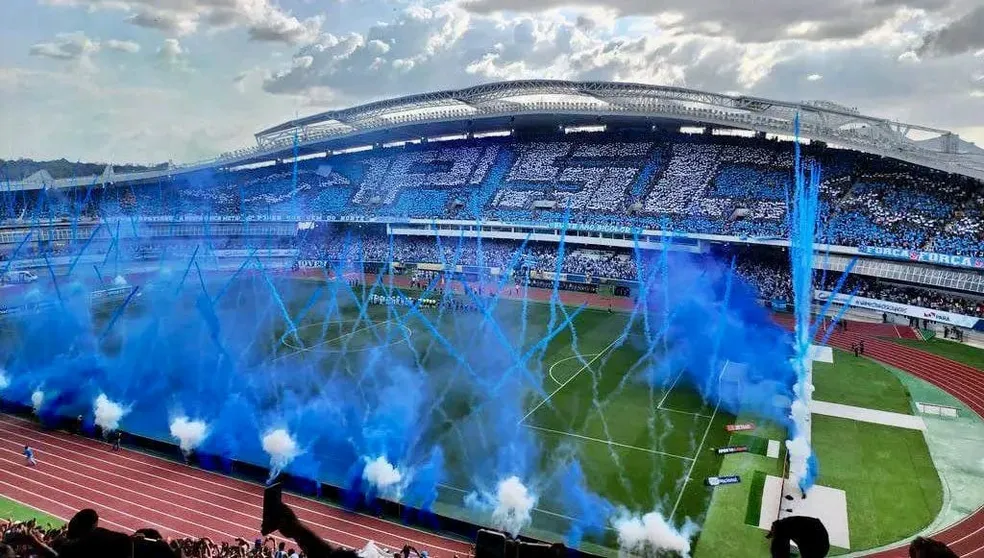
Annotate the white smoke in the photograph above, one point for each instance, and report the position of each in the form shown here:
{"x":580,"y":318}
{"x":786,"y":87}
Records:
{"x":651,"y":534}
{"x":511,"y":505}
{"x":120,"y":281}
{"x":37,"y":399}
{"x":108,"y":413}
{"x":189,"y":433}
{"x":4,"y":380}
{"x":799,"y":447}
{"x":282,"y":448}
{"x":387,"y":479}
{"x":799,"y":455}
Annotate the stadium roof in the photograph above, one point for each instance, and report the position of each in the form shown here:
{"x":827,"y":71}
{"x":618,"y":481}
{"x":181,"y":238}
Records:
{"x":819,"y":120}
{"x":514,"y":104}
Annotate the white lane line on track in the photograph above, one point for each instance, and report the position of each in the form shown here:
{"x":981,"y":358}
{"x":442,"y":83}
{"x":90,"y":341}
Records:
{"x":143,"y":520}
{"x":55,"y":502}
{"x":229,"y":485}
{"x":48,"y":464}
{"x":186,"y":497}
{"x":96,"y":504}
{"x":972,"y":552}
{"x":569,"y":380}
{"x":608,"y":442}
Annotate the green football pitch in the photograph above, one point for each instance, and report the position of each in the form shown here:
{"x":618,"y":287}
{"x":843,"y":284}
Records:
{"x":641,"y":447}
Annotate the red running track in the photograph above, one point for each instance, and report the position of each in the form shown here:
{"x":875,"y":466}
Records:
{"x":131,"y":490}
{"x":966,"y":383}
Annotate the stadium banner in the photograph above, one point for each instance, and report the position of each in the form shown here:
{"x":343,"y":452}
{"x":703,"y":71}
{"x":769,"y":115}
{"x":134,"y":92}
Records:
{"x":940,"y":316}
{"x":924,"y":257}
{"x":109,"y":293}
{"x":740,"y":427}
{"x":720,"y":481}
{"x":312,"y":264}
{"x":45,"y":305}
{"x":260,"y":253}
{"x":563,"y":286}
{"x":56,"y":261}
{"x":731,"y":449}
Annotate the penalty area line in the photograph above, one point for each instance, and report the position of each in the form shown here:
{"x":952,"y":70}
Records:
{"x":703,"y":439}
{"x":608,"y":442}
{"x":554,"y":365}
{"x":569,"y":380}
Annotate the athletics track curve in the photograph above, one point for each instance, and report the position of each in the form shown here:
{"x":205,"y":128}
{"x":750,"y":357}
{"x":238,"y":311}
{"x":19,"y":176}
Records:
{"x":131,"y":490}
{"x":966,"y":537}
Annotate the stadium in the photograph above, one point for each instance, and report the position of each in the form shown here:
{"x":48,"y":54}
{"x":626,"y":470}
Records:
{"x":625,"y":318}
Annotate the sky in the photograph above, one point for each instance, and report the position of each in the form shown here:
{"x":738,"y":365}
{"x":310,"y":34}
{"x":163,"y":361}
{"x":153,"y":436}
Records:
{"x":148,"y":81}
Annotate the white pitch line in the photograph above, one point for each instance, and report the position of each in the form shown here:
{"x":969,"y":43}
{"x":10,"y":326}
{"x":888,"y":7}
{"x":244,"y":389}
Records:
{"x":569,"y":380}
{"x":660,"y":406}
{"x":609,"y":442}
{"x":312,"y":348}
{"x":550,"y":370}
{"x":690,"y":471}
{"x":667,"y":394}
{"x":682,"y":412}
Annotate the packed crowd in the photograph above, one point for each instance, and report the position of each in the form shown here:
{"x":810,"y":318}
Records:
{"x":772,"y":279}
{"x":767,"y":271}
{"x":716,"y":185}
{"x":83,"y":537}
{"x":347,"y":245}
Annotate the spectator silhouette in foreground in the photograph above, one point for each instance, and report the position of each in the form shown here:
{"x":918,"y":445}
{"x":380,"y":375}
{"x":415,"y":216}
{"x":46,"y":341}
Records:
{"x":928,"y":548}
{"x":311,"y":544}
{"x":808,"y":533}
{"x":84,"y":537}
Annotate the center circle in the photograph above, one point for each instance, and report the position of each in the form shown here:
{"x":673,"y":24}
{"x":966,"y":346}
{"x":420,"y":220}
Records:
{"x":330,"y":344}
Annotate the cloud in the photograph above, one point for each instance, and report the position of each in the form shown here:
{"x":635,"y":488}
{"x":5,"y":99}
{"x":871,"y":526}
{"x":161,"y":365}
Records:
{"x":174,"y":23}
{"x":67,"y":46}
{"x":746,"y":21}
{"x":264,"y":20}
{"x":172,"y":55}
{"x":446,"y":46}
{"x":961,"y":35}
{"x":425,"y":49}
{"x":751,"y":47}
{"x":122,"y":46}
{"x":279,"y":27}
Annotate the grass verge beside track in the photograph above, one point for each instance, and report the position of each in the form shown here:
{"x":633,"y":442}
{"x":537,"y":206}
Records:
{"x":893,"y":488}
{"x":15,"y":511}
{"x":971,"y":356}
{"x":860,"y":382}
